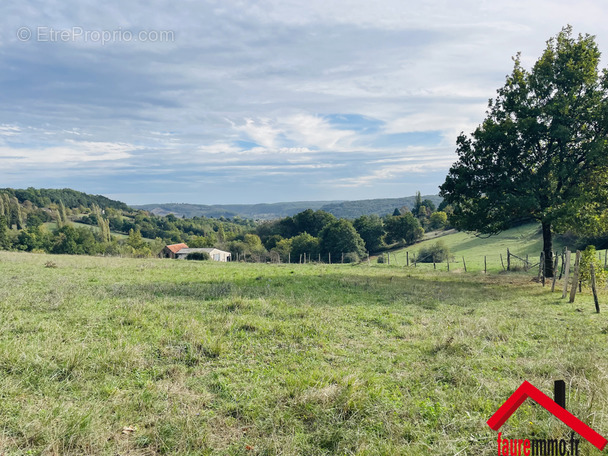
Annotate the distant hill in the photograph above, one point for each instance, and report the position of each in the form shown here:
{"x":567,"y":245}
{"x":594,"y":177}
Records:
{"x":383,"y":206}
{"x":264,"y":211}
{"x":345,"y":209}
{"x":43,"y":197}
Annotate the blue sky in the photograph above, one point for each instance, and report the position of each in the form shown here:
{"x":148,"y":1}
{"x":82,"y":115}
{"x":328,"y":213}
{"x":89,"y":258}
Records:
{"x":245,"y":102}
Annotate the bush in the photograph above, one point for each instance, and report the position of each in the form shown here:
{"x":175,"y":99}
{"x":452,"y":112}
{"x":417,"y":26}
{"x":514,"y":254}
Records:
{"x":381,"y":259}
{"x":198,"y":256}
{"x":438,"y":252}
{"x":352,"y":257}
{"x":588,"y":257}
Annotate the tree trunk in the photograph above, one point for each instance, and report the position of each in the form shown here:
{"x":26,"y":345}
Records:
{"x":548,"y":249}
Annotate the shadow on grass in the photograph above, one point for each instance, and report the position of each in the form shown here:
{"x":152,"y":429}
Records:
{"x":329,"y":289}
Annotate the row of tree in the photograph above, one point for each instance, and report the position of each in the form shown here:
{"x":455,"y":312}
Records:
{"x":320,"y":234}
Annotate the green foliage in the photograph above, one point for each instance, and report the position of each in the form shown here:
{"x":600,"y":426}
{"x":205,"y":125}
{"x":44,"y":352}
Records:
{"x":588,"y":257}
{"x":540,"y":154}
{"x":371,"y":230}
{"x":198,"y":256}
{"x":304,"y":244}
{"x":4,"y":239}
{"x":438,"y":220}
{"x":403,"y":229}
{"x":340,"y":237}
{"x":283,"y":248}
{"x":438,"y":253}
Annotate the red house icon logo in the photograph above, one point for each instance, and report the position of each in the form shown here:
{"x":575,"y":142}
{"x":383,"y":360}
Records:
{"x":527,"y":390}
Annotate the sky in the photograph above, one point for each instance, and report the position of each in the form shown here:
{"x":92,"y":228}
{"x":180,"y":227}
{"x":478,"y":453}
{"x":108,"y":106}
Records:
{"x":217,"y":102}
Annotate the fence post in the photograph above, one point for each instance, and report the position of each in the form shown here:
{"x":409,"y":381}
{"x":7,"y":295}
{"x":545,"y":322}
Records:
{"x":448,"y":260}
{"x":329,"y":257}
{"x":434,"y":267}
{"x":555,"y":263}
{"x":559,"y":393}
{"x":566,"y":273}
{"x":464,"y":263}
{"x":508,"y":260}
{"x":342,"y":257}
{"x":502,"y":262}
{"x":540,"y":265}
{"x":388,"y":258}
{"x":597,"y":304}
{"x":575,"y":276}
{"x":527,"y":264}
{"x":485,"y":265}
{"x":407,"y":258}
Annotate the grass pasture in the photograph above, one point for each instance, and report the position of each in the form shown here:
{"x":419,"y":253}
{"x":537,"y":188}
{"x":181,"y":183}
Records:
{"x":107,"y":356}
{"x":521,"y":241}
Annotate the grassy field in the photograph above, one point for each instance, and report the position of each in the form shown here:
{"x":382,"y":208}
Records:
{"x":107,"y":356}
{"x":521,"y":241}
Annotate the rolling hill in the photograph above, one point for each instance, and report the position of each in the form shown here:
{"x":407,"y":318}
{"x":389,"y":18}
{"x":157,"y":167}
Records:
{"x":345,"y":209}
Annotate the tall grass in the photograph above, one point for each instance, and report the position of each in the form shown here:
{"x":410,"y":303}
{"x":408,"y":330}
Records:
{"x":110,"y":356}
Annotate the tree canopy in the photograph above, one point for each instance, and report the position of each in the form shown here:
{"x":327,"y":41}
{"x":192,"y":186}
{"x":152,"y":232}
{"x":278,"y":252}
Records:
{"x":541,"y":153}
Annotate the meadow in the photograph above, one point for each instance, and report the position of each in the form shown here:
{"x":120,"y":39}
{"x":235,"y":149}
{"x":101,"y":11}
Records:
{"x":108,"y":356}
{"x":521,"y":241}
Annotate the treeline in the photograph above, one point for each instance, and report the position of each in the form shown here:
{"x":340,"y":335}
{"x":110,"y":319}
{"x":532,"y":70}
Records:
{"x":92,"y":225}
{"x":44,"y":197}
{"x":319,"y":234}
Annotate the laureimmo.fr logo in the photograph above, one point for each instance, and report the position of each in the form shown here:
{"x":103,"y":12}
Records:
{"x":536,"y":447}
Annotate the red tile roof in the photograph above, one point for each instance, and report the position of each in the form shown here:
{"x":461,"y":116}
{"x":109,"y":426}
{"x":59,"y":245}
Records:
{"x":177,"y":247}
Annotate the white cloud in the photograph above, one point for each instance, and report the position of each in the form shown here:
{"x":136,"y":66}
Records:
{"x":72,"y":153}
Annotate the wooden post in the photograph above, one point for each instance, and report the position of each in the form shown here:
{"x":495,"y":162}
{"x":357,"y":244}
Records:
{"x":543,"y":267}
{"x":555,"y":263}
{"x":342,"y":257}
{"x":300,"y":258}
{"x":464,"y":263}
{"x":606,"y":258}
{"x":566,"y":274}
{"x":485,"y":265}
{"x":559,"y":393}
{"x":502,"y":262}
{"x":407,"y":258}
{"x":388,"y":258}
{"x":434,"y":267}
{"x":329,"y":257}
{"x":508,"y":260}
{"x":527,"y":264}
{"x":319,"y":258}
{"x":415,"y":260}
{"x":289,"y":257}
{"x":575,"y":275}
{"x":540,"y":265}
{"x":597,"y":304}
{"x":369,"y":263}
{"x":448,"y":260}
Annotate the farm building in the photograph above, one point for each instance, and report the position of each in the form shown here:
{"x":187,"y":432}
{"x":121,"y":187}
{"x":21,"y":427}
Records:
{"x":181,"y":251}
{"x":169,"y":251}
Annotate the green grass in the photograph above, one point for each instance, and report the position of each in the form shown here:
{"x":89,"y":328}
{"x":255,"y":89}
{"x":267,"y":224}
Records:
{"x":521,"y":241}
{"x":242,"y":359}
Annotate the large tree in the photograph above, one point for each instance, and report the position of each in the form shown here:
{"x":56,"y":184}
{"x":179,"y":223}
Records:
{"x":541,"y":153}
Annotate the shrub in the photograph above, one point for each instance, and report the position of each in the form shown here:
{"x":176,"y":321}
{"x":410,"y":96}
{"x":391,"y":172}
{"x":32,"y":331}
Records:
{"x":588,"y":257}
{"x":352,"y":257}
{"x":437,"y":252}
{"x":198,"y":256}
{"x":381,"y":259}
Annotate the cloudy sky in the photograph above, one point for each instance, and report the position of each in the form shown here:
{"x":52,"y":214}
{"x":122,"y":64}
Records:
{"x":257,"y":101}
